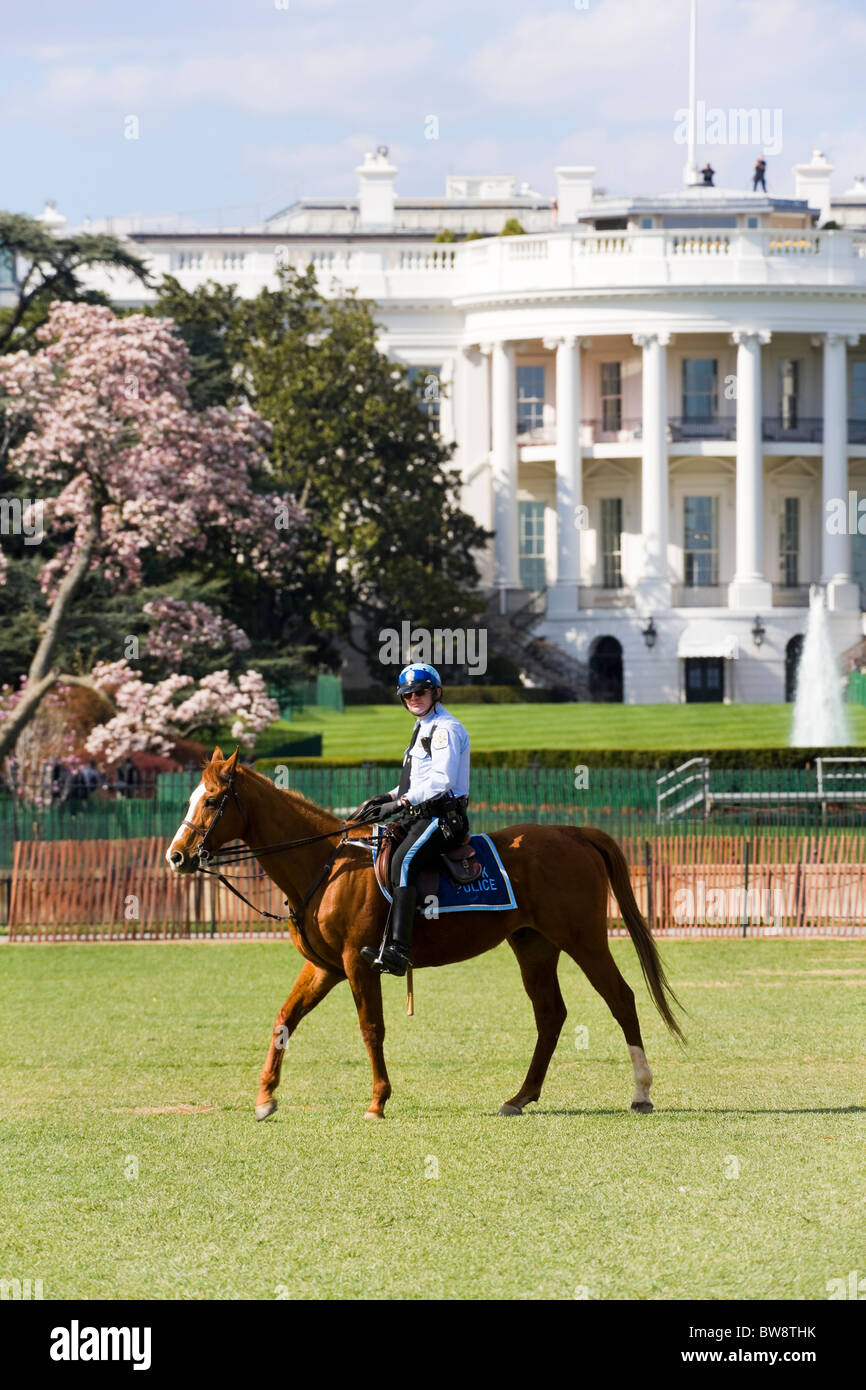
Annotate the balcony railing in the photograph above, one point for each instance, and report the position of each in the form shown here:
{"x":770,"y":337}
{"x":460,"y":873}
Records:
{"x":805,"y":431}
{"x":681,"y":429}
{"x":624,"y":433}
{"x":539,"y":434}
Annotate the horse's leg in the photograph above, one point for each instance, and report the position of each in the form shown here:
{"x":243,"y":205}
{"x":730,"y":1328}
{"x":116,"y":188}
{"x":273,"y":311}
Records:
{"x":310,"y":987}
{"x":600,"y":968}
{"x":537,"y":958}
{"x":366,"y":987}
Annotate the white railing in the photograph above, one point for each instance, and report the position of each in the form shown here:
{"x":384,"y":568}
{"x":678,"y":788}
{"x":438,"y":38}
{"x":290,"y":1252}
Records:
{"x":603,"y":244}
{"x":426,"y":258}
{"x":468,"y":271}
{"x":784,"y":243}
{"x":527,"y":248}
{"x":698,"y":244}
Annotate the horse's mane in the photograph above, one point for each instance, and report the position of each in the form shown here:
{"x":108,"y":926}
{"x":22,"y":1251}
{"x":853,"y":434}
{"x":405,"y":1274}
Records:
{"x":304,"y":801}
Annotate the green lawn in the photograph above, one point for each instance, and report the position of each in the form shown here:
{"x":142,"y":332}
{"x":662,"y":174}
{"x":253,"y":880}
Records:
{"x":377,"y":731}
{"x":745,"y":1183}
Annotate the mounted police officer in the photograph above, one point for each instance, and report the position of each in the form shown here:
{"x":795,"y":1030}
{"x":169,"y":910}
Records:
{"x":430,"y":801}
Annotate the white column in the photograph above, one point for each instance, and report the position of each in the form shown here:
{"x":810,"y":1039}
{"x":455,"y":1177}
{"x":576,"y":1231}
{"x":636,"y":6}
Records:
{"x":653,"y":590}
{"x":836,"y":543}
{"x":503,"y":390}
{"x":562,"y":599}
{"x":750,"y":587}
{"x":446,"y":402}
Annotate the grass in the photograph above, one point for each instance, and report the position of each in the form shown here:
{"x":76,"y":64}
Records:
{"x":377,"y":731}
{"x":444,"y":1199}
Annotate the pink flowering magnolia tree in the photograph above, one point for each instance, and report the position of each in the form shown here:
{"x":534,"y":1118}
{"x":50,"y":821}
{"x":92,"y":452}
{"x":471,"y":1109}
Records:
{"x":122,"y":465}
{"x":152,"y":717}
{"x":178,"y":628}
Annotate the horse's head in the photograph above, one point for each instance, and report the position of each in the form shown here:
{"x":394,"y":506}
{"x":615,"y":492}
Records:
{"x":214,"y":816}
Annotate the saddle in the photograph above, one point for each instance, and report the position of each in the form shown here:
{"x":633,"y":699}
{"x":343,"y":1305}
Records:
{"x":459,"y":863}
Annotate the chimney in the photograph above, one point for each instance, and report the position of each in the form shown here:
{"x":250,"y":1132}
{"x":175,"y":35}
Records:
{"x":52,"y":219}
{"x":376,"y":189}
{"x":812,"y":182}
{"x":573,"y":191}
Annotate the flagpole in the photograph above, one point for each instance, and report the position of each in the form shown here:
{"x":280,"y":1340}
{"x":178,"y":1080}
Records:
{"x":690,"y":173}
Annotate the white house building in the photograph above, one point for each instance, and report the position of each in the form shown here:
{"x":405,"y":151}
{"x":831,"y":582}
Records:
{"x":658,"y":403}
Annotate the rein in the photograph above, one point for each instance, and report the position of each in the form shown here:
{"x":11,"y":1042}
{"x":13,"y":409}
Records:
{"x":225,"y":858}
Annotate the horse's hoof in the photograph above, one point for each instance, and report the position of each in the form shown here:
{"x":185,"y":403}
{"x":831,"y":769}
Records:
{"x":373,"y":1115}
{"x":507,"y":1109}
{"x":642,"y":1107}
{"x":263,"y":1111}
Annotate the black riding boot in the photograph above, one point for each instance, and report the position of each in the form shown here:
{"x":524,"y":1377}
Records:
{"x":394,"y":956}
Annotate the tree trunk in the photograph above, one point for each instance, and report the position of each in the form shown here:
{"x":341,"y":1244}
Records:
{"x":41,"y":676}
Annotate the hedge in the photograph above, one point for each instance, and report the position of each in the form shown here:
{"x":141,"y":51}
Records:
{"x":462,"y":695}
{"x":661,"y":760}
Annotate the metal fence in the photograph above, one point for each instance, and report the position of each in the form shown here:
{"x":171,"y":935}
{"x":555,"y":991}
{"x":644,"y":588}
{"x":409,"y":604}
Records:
{"x":688,"y":885}
{"x":695,"y":799}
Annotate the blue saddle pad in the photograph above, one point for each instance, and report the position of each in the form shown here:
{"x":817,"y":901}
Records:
{"x":491,"y":891}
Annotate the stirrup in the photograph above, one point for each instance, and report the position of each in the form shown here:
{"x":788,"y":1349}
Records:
{"x":387,"y":961}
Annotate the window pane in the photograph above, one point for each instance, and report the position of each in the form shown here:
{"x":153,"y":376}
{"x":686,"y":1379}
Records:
{"x":789,"y":378}
{"x":858,"y":389}
{"x":700,"y":541}
{"x":530,"y":399}
{"x":530,"y":530}
{"x":789,"y":540}
{"x":611,"y":396}
{"x":611,"y":542}
{"x":699,"y":389}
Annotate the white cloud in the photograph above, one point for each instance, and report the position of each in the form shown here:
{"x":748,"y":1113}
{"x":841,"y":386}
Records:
{"x":330,"y":81}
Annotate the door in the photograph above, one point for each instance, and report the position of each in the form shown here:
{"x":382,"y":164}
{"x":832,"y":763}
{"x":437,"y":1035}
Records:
{"x":705,"y":678}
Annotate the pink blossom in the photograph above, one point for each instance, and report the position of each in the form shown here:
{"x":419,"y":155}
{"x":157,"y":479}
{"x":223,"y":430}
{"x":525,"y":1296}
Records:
{"x":150,"y":719}
{"x":177,"y":627}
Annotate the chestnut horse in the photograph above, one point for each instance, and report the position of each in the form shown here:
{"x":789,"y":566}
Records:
{"x":561,"y":875}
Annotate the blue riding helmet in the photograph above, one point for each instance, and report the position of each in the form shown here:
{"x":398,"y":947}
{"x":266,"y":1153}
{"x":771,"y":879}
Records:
{"x":417,"y":677}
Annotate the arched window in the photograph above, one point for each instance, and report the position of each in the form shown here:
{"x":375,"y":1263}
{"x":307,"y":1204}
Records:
{"x":605,"y":671}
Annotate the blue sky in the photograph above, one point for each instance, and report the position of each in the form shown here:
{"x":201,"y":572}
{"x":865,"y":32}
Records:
{"x":242,"y":105}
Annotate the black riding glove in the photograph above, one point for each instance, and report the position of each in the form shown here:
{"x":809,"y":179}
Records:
{"x":363,"y":812}
{"x":390,"y":808}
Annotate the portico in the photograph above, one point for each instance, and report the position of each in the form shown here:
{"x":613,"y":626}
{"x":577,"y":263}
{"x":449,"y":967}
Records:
{"x":570,"y":438}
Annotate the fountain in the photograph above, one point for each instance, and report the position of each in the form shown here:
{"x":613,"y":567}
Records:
{"x":820,"y":717}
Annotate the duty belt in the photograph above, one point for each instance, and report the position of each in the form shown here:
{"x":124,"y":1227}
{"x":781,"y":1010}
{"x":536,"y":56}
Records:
{"x":439,"y":805}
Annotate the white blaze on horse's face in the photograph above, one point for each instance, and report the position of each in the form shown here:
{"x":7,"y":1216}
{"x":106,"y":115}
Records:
{"x":174,"y":848}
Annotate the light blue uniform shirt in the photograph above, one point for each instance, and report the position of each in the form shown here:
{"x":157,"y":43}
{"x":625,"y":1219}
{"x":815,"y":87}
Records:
{"x":446,"y":767}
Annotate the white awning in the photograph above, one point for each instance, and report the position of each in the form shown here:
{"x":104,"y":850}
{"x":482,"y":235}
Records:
{"x":705,"y":639}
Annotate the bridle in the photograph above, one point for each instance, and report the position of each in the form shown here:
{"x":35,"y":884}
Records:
{"x":241,"y":855}
{"x":203,"y":853}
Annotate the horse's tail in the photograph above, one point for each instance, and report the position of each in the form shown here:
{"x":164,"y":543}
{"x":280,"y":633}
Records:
{"x":638,"y":930}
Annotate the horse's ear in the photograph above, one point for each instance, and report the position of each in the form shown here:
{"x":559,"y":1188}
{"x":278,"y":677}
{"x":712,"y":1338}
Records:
{"x":229,"y":766}
{"x":217,"y":755}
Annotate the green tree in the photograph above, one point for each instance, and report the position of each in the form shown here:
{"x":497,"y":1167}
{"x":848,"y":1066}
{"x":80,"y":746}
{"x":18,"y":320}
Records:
{"x":385,"y":538}
{"x":205,"y":318}
{"x":512,"y":228}
{"x":50,"y":268}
